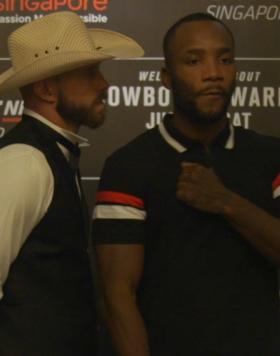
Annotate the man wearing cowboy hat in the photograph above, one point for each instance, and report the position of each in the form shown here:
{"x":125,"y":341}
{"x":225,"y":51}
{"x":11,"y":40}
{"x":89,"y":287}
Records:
{"x":46,"y":296}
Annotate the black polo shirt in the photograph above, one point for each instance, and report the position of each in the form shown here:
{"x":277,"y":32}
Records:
{"x":205,"y":291}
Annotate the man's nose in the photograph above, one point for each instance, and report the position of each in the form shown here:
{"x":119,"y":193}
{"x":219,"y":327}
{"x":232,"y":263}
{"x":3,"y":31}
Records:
{"x":103,"y":82}
{"x":212,"y":70}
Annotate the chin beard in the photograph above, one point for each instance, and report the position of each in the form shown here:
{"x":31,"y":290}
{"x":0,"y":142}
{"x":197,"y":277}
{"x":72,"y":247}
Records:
{"x":198,"y":117}
{"x":203,"y":118}
{"x":76,"y":114}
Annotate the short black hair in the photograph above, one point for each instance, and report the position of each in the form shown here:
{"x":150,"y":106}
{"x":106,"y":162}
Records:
{"x":197,"y":16}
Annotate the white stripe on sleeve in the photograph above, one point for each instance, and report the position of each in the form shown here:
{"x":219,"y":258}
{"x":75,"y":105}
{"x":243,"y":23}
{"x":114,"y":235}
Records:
{"x":118,"y":212}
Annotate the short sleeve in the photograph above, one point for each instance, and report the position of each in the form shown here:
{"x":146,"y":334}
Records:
{"x":120,"y":212}
{"x":276,"y":193}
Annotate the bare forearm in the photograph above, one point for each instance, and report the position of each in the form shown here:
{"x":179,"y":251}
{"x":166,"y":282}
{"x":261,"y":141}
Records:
{"x":127,"y":328}
{"x":121,"y":269}
{"x":257,"y":226}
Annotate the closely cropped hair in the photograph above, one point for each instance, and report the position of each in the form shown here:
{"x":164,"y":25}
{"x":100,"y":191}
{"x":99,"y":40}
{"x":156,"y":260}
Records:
{"x":197,"y":16}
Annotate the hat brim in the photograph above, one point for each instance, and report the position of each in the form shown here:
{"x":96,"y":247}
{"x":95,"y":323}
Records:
{"x":115,"y":44}
{"x":108,"y":44}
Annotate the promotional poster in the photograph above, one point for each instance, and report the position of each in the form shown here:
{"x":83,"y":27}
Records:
{"x":137,"y":100}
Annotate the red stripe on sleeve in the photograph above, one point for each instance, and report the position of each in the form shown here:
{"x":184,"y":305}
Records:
{"x":276,"y":182}
{"x":119,"y":198}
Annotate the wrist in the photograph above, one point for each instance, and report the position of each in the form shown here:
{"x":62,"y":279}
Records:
{"x":228,"y":204}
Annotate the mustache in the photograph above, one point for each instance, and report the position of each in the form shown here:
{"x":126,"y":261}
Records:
{"x":213,"y":90}
{"x":218,"y":90}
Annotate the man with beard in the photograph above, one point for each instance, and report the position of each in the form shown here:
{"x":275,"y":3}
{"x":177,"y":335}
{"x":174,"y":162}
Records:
{"x":187,"y":217}
{"x":47,"y":302}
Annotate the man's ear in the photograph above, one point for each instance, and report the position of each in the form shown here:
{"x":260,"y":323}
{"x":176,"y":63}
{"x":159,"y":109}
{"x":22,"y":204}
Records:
{"x":46,"y":90}
{"x":165,"y":77}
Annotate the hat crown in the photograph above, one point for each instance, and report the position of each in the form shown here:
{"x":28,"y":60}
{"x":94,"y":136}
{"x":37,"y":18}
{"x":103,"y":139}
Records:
{"x":60,"y":32}
{"x":58,"y":43}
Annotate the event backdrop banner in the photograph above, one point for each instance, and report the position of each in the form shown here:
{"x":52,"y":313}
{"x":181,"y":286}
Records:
{"x":137,"y":100}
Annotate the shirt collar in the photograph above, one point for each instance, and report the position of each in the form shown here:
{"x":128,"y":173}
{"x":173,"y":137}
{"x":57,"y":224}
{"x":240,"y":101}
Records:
{"x":181,"y":143}
{"x":76,"y":139}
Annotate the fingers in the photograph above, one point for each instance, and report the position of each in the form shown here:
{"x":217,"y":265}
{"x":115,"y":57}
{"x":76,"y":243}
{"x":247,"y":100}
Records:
{"x":186,"y":184}
{"x":185,"y":192}
{"x":190,"y":166}
{"x":191,"y":171}
{"x":195,"y":182}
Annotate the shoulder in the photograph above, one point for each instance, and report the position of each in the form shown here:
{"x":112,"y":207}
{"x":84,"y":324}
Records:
{"x":18,"y":151}
{"x":258,"y":140}
{"x":21,"y":154}
{"x":144,"y":147}
{"x":264,"y":149}
{"x":250,"y":134}
{"x":24,"y":167}
{"x":132,"y":165}
{"x":26,"y":185}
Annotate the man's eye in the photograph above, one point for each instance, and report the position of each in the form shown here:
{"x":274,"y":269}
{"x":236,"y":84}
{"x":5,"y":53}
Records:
{"x":227,"y":60}
{"x":192,"y":61}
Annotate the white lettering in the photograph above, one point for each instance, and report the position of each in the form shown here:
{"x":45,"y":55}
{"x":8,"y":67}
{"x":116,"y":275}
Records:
{"x":239,"y":96}
{"x":245,"y":12}
{"x":134,"y":96}
{"x":240,"y":119}
{"x":268,"y":97}
{"x":131,"y":95}
{"x":13,"y":108}
{"x":114,"y":97}
{"x":155,"y":119}
{"x":254,"y":97}
{"x":151,"y":76}
{"x":248,"y":76}
{"x":2,"y":131}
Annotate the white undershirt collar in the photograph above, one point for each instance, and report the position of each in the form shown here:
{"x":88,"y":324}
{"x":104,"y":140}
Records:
{"x":76,"y":139}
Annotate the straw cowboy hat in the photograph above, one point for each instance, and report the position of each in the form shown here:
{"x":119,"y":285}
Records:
{"x":57,"y":43}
